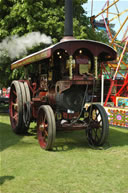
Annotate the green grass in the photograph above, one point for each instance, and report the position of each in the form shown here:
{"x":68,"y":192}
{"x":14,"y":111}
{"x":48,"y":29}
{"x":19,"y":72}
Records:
{"x":72,"y":167}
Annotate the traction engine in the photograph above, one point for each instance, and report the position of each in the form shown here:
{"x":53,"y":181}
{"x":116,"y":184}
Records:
{"x":58,"y":89}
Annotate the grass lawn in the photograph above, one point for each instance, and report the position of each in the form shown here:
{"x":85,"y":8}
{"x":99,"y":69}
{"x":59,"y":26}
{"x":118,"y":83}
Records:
{"x":72,"y":167}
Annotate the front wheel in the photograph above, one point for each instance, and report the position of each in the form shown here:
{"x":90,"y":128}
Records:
{"x":98,"y":125}
{"x":46,"y":127}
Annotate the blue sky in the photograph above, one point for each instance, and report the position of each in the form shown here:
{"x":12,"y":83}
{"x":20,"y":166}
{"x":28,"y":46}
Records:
{"x":98,"y":6}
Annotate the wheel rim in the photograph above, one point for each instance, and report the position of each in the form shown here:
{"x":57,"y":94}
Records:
{"x":46,"y":127}
{"x":97,"y":132}
{"x":43,"y":130}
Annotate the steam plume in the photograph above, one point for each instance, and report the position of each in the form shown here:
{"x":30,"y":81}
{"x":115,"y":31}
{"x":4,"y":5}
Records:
{"x":15,"y":46}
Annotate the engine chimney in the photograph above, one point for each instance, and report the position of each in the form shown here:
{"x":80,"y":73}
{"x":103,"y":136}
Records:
{"x":68,"y":27}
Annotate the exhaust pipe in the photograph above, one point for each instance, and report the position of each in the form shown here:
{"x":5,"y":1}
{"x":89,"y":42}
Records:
{"x":68,"y":27}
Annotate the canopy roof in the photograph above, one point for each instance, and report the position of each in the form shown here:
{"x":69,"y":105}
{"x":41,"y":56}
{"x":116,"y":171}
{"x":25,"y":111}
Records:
{"x":96,"y":48}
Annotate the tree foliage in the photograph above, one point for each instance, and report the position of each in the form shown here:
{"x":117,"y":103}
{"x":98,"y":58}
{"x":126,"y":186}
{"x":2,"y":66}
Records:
{"x":46,"y":16}
{"x":23,"y":16}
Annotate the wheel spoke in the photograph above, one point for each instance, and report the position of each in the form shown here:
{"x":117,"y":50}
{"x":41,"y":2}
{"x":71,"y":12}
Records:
{"x":15,"y":106}
{"x":14,"y":92}
{"x":45,"y":133}
{"x":96,"y":137}
{"x":13,"y":103}
{"x":97,"y":114}
{"x":95,"y":134}
{"x":100,"y":121}
{"x":15,"y":116}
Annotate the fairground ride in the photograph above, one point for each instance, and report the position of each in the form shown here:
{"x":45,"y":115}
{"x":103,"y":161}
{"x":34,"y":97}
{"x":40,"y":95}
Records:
{"x":117,"y":71}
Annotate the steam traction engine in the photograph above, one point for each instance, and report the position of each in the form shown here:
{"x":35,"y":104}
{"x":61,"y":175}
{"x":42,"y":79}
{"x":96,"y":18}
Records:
{"x":59,"y":83}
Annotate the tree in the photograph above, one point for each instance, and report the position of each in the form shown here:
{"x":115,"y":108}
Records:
{"x":23,"y":16}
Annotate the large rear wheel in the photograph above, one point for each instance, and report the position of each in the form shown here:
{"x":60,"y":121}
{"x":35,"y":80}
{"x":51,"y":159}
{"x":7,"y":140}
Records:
{"x":17,"y":102}
{"x":46,"y":127}
{"x":98,"y":125}
{"x":15,"y":107}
